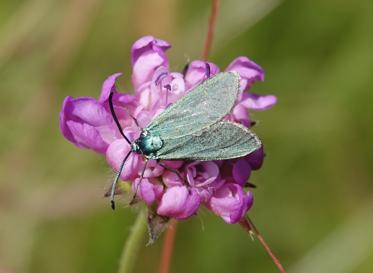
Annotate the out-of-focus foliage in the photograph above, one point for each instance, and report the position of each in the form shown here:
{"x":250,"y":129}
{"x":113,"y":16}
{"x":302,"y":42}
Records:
{"x":313,"y":201}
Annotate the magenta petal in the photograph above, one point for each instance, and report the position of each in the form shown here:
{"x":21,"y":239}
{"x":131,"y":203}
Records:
{"x":201,"y":173}
{"x":146,"y":190}
{"x":230,"y":202}
{"x":147,"y":54}
{"x":147,"y":41}
{"x":65,"y":114}
{"x":197,"y":72}
{"x":241,"y":171}
{"x":191,"y":205}
{"x":173,"y":201}
{"x":249,"y":71}
{"x":241,"y":115}
{"x":153,"y":169}
{"x":171,"y":179}
{"x":115,"y":155}
{"x":82,"y":120}
{"x":85,"y":110}
{"x":178,"y":202}
{"x":107,"y":87}
{"x":86,"y":136}
{"x":255,"y":159}
{"x":259,"y":102}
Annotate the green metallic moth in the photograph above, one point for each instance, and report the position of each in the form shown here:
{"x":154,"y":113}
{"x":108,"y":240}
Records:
{"x":193,"y":127}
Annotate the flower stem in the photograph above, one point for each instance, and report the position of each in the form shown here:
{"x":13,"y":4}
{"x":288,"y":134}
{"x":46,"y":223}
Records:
{"x":211,"y":28}
{"x":168,"y":246}
{"x":249,"y":226}
{"x":133,"y":244}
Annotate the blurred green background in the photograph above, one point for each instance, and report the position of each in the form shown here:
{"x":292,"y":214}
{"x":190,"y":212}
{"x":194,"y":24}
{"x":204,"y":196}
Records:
{"x":314,"y":197}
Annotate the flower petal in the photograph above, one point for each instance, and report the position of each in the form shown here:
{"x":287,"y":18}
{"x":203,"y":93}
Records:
{"x":115,"y":154}
{"x":146,"y":190}
{"x":198,"y":71}
{"x":259,"y":102}
{"x":241,"y":115}
{"x":85,"y":110}
{"x":179,"y":202}
{"x":191,"y":205}
{"x":201,"y":173}
{"x":230,"y":202}
{"x":171,"y":179}
{"x":82,"y":120}
{"x":86,"y":136}
{"x":241,"y":171}
{"x":147,"y":54}
{"x":107,"y":87}
{"x":153,"y":169}
{"x":256,"y":158}
{"x":249,"y":71}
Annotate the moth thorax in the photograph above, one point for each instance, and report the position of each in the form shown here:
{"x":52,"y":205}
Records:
{"x":152,"y":143}
{"x":147,"y":144}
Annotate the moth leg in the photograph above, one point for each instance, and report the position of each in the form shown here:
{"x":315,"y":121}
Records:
{"x":138,"y":184}
{"x":172,"y":170}
{"x":115,"y":182}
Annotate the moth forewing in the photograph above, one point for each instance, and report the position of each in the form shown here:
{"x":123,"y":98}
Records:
{"x":220,"y":141}
{"x":203,"y":106}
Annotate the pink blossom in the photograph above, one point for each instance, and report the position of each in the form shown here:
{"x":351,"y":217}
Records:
{"x":180,"y":188}
{"x":147,"y":190}
{"x":230,"y":202}
{"x":203,"y":177}
{"x":179,"y":202}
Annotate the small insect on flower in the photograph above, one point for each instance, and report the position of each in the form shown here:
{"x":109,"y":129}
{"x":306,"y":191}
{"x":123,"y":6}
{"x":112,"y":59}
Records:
{"x":192,"y":128}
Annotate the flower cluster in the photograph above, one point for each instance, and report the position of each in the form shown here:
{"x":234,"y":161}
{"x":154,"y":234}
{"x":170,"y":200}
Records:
{"x":219,"y":185}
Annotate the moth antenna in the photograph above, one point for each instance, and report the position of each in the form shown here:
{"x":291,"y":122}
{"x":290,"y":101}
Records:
{"x":208,"y":70}
{"x":138,"y":184}
{"x":116,"y":179}
{"x":114,"y":115}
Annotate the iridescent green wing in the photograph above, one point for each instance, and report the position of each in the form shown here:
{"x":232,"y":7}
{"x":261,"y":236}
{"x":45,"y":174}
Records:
{"x":220,"y":141}
{"x":204,"y":105}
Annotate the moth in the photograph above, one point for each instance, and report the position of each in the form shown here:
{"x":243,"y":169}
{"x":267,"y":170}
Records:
{"x":193,"y":128}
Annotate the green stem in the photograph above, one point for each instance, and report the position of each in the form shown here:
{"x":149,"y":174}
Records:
{"x":133,"y":244}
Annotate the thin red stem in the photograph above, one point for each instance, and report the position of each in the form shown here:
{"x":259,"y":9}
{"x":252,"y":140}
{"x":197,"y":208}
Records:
{"x":168,"y":246}
{"x":249,"y":226}
{"x":211,"y":28}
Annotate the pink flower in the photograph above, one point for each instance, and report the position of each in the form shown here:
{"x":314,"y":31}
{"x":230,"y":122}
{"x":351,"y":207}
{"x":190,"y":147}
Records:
{"x":178,"y":190}
{"x":86,"y":123}
{"x":179,"y":202}
{"x":230,"y":202}
{"x":198,"y":71}
{"x":203,"y":177}
{"x":147,"y":190}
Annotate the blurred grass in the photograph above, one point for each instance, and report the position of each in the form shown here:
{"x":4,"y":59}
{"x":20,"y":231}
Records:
{"x":317,"y":174}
